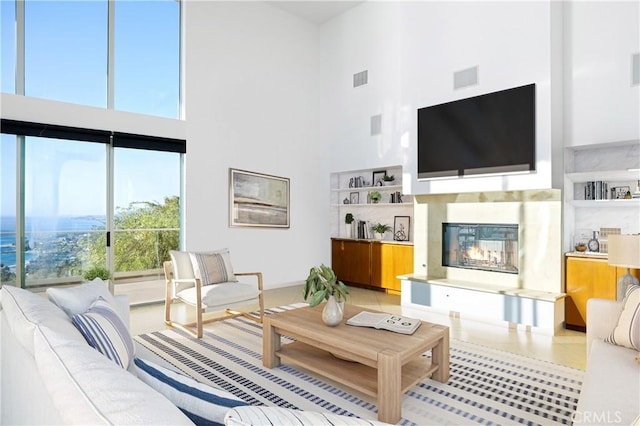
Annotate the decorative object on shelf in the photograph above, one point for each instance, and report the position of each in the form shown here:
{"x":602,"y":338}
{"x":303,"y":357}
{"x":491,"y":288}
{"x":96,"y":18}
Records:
{"x":624,"y":251}
{"x":348,"y":220}
{"x":581,"y":247}
{"x":378,"y":178}
{"x":593,"y":244}
{"x":379,"y":229}
{"x":357,"y":182}
{"x":345,"y":201}
{"x":354,"y":198}
{"x":604,"y":238}
{"x":627,"y":195}
{"x":388,"y":180}
{"x":322,"y":284}
{"x":395,"y":198}
{"x":619,"y":192}
{"x":401,"y":228}
{"x":375,"y":196}
{"x":258,"y":200}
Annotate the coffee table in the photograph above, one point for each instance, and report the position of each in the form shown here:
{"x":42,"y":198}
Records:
{"x":379,"y":363}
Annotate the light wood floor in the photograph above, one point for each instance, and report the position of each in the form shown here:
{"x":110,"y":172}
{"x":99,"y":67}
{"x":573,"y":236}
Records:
{"x":567,"y":348}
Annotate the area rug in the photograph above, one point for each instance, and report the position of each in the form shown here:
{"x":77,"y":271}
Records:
{"x":486,"y":386}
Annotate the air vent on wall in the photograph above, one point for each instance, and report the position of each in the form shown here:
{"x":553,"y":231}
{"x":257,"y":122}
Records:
{"x":360,"y":78}
{"x":465,"y":78}
{"x":635,"y":69}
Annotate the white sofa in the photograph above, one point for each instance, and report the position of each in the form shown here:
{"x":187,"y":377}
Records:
{"x":611,"y":387}
{"x":50,"y":375}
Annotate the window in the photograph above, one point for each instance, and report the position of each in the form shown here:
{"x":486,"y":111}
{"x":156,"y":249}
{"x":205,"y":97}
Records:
{"x":73,"y":52}
{"x":147,"y":57}
{"x":66,"y":51}
{"x":8,"y":225}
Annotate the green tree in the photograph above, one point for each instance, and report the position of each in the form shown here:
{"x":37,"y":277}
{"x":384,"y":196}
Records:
{"x":145,"y":232}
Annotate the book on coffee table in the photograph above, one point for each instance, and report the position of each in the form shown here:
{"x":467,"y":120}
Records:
{"x":395,"y":323}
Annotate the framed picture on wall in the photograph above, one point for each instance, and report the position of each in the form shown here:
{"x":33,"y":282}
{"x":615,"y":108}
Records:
{"x":258,"y":200}
{"x":401,"y":228}
{"x":354,"y":198}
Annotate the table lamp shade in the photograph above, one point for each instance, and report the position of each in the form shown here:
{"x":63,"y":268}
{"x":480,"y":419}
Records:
{"x":624,"y":250}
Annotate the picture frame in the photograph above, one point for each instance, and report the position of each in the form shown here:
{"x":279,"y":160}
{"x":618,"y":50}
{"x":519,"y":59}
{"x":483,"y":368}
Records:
{"x":354,"y":198}
{"x":402,"y":228}
{"x":258,"y":200}
{"x":618,"y":192}
{"x":377,"y":178}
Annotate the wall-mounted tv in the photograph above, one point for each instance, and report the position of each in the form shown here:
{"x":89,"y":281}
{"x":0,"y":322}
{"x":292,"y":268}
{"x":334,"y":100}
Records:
{"x":490,"y":133}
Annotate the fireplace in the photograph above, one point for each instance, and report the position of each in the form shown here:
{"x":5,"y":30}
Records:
{"x":487,"y":247}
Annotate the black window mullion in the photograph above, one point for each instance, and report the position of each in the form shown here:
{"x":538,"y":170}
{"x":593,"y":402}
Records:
{"x":26,"y":128}
{"x":155,"y":143}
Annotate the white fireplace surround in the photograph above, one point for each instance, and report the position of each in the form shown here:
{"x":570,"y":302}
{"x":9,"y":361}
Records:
{"x":532,"y":298}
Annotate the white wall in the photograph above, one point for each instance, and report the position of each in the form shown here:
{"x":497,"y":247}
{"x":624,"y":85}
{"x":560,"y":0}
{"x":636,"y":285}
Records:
{"x":601,"y":105}
{"x":411,"y":50}
{"x":251,"y":104}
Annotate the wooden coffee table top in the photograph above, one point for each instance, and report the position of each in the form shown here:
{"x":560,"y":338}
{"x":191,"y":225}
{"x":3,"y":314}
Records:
{"x":361,"y":344}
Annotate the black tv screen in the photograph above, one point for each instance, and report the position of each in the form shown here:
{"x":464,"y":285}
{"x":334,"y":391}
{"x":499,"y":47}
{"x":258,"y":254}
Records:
{"x":490,"y":133}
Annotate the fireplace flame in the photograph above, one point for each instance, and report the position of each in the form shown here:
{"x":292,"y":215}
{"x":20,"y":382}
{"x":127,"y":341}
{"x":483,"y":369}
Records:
{"x":484,"y":255}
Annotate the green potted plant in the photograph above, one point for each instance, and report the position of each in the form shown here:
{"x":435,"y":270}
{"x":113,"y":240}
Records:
{"x":388,"y":179}
{"x":322,"y":284}
{"x":379,"y":229}
{"x":95,"y":271}
{"x":375,"y":196}
{"x":348,"y":220}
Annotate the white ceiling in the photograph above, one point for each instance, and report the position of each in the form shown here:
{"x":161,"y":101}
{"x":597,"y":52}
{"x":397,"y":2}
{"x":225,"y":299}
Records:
{"x":318,"y":11}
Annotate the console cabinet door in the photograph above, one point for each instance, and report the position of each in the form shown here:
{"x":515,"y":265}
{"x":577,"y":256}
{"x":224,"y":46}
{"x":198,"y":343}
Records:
{"x":351,"y":261}
{"x":387,"y":262}
{"x":587,"y":278}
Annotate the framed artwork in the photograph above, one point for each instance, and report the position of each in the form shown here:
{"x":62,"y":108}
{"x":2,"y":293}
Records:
{"x":401,"y":228}
{"x":354,"y":198}
{"x":377,"y":177}
{"x":258,"y":200}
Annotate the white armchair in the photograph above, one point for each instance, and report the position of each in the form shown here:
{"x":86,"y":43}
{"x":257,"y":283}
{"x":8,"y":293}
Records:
{"x":206,"y":281}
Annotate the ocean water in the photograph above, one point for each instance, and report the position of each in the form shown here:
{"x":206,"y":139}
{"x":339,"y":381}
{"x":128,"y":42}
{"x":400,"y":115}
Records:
{"x":37,"y":226}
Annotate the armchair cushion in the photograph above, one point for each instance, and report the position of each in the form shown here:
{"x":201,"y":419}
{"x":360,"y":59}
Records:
{"x":212,"y":268}
{"x":627,"y":331}
{"x":221,"y":295}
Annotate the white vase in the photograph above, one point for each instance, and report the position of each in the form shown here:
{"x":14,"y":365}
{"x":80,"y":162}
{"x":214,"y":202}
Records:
{"x":332,"y":312}
{"x":348,"y":230}
{"x":378,"y":236}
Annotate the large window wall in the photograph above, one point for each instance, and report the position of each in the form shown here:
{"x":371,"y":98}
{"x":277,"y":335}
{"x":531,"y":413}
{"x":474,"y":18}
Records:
{"x":111,"y":201}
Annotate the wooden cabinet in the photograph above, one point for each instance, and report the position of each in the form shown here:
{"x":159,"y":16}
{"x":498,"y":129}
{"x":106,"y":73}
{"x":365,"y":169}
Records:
{"x":588,"y":277}
{"x":371,"y":263}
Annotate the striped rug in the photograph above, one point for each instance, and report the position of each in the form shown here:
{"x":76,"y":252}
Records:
{"x":486,"y":386}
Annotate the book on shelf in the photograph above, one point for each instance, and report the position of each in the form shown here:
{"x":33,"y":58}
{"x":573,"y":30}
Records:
{"x":395,"y":323}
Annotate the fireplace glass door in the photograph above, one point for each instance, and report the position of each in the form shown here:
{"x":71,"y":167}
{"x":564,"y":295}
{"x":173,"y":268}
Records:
{"x":489,"y":247}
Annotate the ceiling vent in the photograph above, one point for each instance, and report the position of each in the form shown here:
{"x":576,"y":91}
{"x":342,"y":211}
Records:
{"x":361,"y":78}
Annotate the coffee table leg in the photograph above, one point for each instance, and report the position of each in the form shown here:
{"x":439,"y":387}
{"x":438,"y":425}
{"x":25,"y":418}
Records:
{"x":440,"y":356}
{"x":389,"y":387}
{"x":270,"y":344}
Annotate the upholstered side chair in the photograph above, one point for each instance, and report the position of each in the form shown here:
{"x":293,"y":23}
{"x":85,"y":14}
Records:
{"x":206,"y":281}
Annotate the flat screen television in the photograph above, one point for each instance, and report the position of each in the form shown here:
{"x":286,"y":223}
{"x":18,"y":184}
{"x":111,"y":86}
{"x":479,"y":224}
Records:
{"x":490,"y":133}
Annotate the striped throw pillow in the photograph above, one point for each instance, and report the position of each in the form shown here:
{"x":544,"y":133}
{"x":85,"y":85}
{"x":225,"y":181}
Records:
{"x":103,"y":329}
{"x":202,"y":403}
{"x":212,"y":268}
{"x":627,"y":332}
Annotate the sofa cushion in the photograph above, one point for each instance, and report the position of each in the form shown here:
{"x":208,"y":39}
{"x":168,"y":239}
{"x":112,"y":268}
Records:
{"x":104,"y":330}
{"x":25,"y":311}
{"x":610,"y":387}
{"x":202,"y":403}
{"x":212,"y":268}
{"x":269,"y":416}
{"x":627,"y":331}
{"x":77,"y":299}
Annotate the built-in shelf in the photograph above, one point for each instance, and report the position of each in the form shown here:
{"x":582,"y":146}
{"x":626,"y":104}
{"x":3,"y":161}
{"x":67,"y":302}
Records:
{"x":605,"y":203}
{"x":373,"y":205}
{"x":606,"y":175}
{"x":369,"y":188}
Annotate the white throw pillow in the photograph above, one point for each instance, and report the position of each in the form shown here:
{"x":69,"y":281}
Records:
{"x":103,"y":329}
{"x":627,"y":332}
{"x":77,"y":299}
{"x":213,"y":267}
{"x":200,"y":402}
